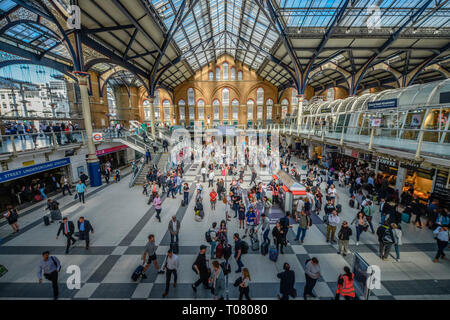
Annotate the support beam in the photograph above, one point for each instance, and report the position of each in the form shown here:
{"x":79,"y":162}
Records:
{"x":107,"y":29}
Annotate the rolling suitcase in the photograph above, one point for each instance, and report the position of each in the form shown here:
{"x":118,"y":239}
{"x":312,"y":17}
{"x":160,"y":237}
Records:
{"x":46,"y":220}
{"x":137,"y":273}
{"x":273,"y":254}
{"x":182,"y":203}
{"x":227,"y":251}
{"x":264,"y":248}
{"x":406,"y":217}
{"x":219,"y":251}
{"x":351,"y":203}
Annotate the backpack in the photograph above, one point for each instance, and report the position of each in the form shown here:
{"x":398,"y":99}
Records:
{"x":54,"y":262}
{"x":244,"y":247}
{"x":227,"y":251}
{"x":387,"y":237}
{"x":306,"y":262}
{"x":208,"y":236}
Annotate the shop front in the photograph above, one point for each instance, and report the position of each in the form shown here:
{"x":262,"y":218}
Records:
{"x":117,"y":156}
{"x":418,"y":180}
{"x":22,"y":185}
{"x":388,"y":168}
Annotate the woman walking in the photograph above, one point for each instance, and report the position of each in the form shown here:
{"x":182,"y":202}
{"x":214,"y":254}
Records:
{"x":157,"y":204}
{"x":241,"y":212}
{"x":397,"y":239}
{"x":244,"y":289}
{"x":361,"y":225}
{"x":12,"y":216}
{"x":218,"y":281}
{"x":278,"y":237}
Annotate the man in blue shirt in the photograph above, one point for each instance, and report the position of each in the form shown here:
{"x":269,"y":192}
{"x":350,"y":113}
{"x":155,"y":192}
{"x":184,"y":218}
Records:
{"x":84,"y":227}
{"x":80,"y":187}
{"x":250,"y":221}
{"x":50,"y":267}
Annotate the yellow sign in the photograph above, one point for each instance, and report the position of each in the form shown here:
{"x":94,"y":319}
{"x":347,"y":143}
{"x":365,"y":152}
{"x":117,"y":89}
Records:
{"x":28,"y":163}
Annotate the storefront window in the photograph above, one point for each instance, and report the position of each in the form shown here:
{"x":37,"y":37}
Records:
{"x":413,"y":122}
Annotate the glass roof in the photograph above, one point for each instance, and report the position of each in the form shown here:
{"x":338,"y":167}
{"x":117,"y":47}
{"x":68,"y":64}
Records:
{"x":215,"y":27}
{"x":378,"y":13}
{"x":6,"y":5}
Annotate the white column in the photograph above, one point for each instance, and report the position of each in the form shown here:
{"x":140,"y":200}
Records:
{"x":401,"y":176}
{"x":152,"y":115}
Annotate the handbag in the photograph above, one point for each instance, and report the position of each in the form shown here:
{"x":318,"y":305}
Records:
{"x":237,"y":282}
{"x":75,"y":197}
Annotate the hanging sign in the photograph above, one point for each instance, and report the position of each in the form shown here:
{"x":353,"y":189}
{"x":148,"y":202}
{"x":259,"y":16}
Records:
{"x":382,"y":104}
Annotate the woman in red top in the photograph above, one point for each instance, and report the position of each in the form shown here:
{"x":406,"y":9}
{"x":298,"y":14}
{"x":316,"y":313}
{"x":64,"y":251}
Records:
{"x":213,"y":199}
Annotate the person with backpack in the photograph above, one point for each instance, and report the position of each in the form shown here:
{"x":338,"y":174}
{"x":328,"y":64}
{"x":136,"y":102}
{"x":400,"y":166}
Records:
{"x":49,"y":267}
{"x":345,"y":285}
{"x":238,"y":250}
{"x":343,"y":238}
{"x":201,"y":269}
{"x":304,"y":221}
{"x":12,"y":216}
{"x":287,"y":283}
{"x":312,"y":274}
{"x":385,"y":240}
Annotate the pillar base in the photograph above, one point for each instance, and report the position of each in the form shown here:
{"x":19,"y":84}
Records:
{"x":95,"y":176}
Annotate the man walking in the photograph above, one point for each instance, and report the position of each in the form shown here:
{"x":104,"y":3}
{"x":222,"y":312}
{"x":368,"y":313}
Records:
{"x":253,"y":178}
{"x":170,"y":264}
{"x":343,"y":238}
{"x":150,"y":250}
{"x":385,"y":240}
{"x":80,"y":187}
{"x":333,"y":222}
{"x":312,"y":273}
{"x":64,"y":183}
{"x":49,"y":266}
{"x":441,"y":234}
{"x":238,"y":251}
{"x":201,"y":269}
{"x":174,"y":229}
{"x":84,"y":227}
{"x":68,"y":228}
{"x":287,"y":282}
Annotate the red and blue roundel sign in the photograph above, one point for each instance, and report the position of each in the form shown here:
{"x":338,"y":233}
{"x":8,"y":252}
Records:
{"x":97,"y":136}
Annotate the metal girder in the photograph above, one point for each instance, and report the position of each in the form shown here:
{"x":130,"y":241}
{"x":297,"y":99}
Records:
{"x":427,"y":62}
{"x":173,"y":29}
{"x":49,"y":16}
{"x":50,"y":34}
{"x":106,"y":29}
{"x":125,"y":12}
{"x":336,"y":20}
{"x":386,"y":45}
{"x":210,"y":25}
{"x":113,"y":58}
{"x":142,"y":55}
{"x":133,"y":36}
{"x":273,"y":17}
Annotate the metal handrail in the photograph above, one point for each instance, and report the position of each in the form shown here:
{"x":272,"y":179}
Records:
{"x":137,"y":173}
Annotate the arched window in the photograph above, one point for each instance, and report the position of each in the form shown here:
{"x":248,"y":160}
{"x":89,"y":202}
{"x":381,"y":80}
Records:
{"x":235,"y":105}
{"x":260,"y":96}
{"x":217,"y":73}
{"x":191,"y":97}
{"x":250,"y":106}
{"x":225,"y":97}
{"x":181,"y":108}
{"x":284,"y":108}
{"x":240,"y":75}
{"x":146,"y":105}
{"x":225,"y":71}
{"x":330,"y":94}
{"x":233,"y":73}
{"x":294,"y":101}
{"x":216,"y":107}
{"x":269,"y":107}
{"x":201,"y":109}
{"x":166,"y":108}
{"x":210,"y":75}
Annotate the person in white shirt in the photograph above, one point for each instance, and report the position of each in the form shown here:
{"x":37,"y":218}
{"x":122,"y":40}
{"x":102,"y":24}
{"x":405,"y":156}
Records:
{"x":333,"y":222}
{"x":171,"y":263}
{"x":332,"y":193}
{"x":211,"y":179}
{"x":300,"y":205}
{"x":441,"y":235}
{"x":203,"y":172}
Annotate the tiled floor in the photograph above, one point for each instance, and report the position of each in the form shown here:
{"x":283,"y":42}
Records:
{"x":122,"y":221}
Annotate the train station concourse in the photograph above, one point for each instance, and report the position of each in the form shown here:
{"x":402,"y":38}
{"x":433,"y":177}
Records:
{"x":224,"y":150}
